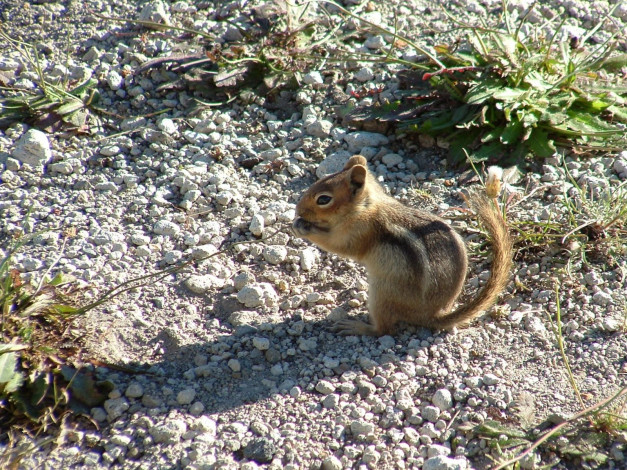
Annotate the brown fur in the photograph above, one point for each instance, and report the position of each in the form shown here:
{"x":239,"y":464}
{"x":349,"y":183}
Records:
{"x":416,"y":262}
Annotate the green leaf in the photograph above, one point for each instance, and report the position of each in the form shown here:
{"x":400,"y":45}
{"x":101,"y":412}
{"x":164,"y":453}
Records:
{"x":492,"y":134}
{"x":8,"y":364}
{"x":492,"y":428}
{"x":618,"y":113}
{"x":61,"y":279}
{"x":39,"y":388}
{"x":83,"y":386}
{"x":540,"y":144}
{"x":509,"y":94}
{"x":512,"y":132}
{"x":9,"y":347}
{"x":63,"y":309}
{"x":461,"y":141}
{"x":14,"y":384}
{"x":69,"y":107}
{"x":481,"y":93}
{"x":614,"y":64}
{"x":485,"y":152}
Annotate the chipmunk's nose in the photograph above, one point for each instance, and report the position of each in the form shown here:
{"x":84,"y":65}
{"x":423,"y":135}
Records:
{"x":300,"y":225}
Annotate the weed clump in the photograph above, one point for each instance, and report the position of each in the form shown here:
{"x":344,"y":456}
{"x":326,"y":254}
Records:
{"x":500,"y":94}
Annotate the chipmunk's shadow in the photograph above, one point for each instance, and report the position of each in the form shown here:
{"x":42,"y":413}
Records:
{"x":248,"y":364}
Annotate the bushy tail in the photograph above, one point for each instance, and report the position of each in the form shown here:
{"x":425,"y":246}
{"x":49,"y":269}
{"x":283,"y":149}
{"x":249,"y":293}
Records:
{"x":491,"y":218}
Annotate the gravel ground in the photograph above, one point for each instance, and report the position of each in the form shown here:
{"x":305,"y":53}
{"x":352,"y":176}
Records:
{"x":244,"y":371}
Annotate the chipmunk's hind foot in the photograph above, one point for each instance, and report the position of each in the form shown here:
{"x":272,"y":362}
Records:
{"x":350,"y":326}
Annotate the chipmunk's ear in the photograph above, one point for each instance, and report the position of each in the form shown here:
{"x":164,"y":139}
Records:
{"x":355,"y":160}
{"x":357,"y":177}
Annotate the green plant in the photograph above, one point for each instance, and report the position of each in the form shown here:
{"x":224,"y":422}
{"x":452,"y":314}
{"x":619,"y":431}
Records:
{"x":49,"y":105}
{"x":503,"y":95}
{"x":275,"y":47}
{"x":596,"y":213}
{"x":38,"y":382}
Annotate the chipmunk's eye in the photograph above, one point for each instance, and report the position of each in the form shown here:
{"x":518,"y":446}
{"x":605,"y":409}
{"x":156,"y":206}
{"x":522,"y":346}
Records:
{"x":324,"y":200}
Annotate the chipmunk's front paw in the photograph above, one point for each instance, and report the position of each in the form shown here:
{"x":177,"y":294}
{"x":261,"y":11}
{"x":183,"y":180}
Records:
{"x":348,"y":327}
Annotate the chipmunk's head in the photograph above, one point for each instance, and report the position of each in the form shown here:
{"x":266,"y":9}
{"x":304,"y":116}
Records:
{"x":326,"y":205}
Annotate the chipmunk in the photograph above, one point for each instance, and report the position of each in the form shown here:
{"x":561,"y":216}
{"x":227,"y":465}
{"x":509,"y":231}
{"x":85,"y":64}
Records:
{"x":416,"y":262}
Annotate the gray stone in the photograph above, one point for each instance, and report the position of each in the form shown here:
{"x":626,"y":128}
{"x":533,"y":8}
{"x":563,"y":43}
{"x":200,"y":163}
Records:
{"x":261,"y":343}
{"x":165,"y":227}
{"x":442,"y":462}
{"x":320,"y":128}
{"x":33,"y":148}
{"x":257,"y":224}
{"x":134,"y":390}
{"x":169,"y":432}
{"x":360,"y":139}
{"x":260,"y":450}
{"x":325,"y":387}
{"x":256,"y":295}
{"x":154,"y":12}
{"x":443,"y":399}
{"x":275,"y":254}
{"x":312,"y":78}
{"x":333,"y":163}
{"x":185,"y":397}
{"x":309,"y":258}
{"x":116,"y":407}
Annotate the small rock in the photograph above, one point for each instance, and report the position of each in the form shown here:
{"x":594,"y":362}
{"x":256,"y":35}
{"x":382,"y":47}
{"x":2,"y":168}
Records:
{"x":435,"y":450}
{"x":275,"y":254}
{"x":169,"y":432}
{"x":387,"y":342}
{"x":114,"y":80}
{"x":362,"y":428}
{"x":165,"y":227}
{"x":185,"y":397}
{"x":312,"y":78}
{"x":257,"y":225}
{"x":235,"y":365}
{"x":490,"y":379}
{"x":364,"y":74}
{"x":205,"y":425}
{"x":331,"y":401}
{"x":200,"y":284}
{"x":116,"y":407}
{"x":360,"y":139}
{"x":261,"y":343}
{"x":443,"y":399}
{"x":442,"y":462}
{"x":391,"y":159}
{"x":260,"y":450}
{"x":375,"y":42}
{"x":33,"y":148}
{"x":319,"y":128}
{"x":309,"y":258}
{"x":602,"y":298}
{"x":196,"y":409}
{"x":431,"y":413}
{"x":331,"y":463}
{"x":333,"y":163}
{"x":134,"y":390}
{"x":593,"y":278}
{"x":325,"y":387}
{"x":155,"y":12}
{"x":256,"y":295}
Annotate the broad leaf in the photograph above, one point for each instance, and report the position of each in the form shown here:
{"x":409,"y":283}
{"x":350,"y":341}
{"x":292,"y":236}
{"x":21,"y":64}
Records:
{"x":540,"y":144}
{"x":8,"y":364}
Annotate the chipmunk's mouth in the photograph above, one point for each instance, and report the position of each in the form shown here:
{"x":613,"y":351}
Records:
{"x":303,"y":227}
